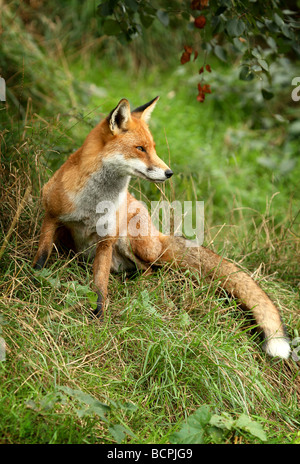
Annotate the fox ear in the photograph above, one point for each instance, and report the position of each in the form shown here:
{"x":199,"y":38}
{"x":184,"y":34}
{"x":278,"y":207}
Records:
{"x":144,"y":112}
{"x":120,"y":117}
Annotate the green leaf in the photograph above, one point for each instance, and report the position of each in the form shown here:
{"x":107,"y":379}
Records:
{"x":220,"y":52}
{"x":254,"y":428}
{"x":44,"y":275}
{"x":127,"y":406}
{"x":132,"y":4}
{"x":272,"y":44}
{"x":256,"y":53}
{"x":235,"y":27}
{"x":217,"y":25}
{"x":188,"y":435}
{"x":278,"y":20}
{"x":256,"y":68}
{"x":83,"y":412}
{"x":95,"y":406}
{"x":223,"y":421}
{"x":99,"y":408}
{"x":260,"y":25}
{"x":287,"y":31}
{"x":193,"y":430}
{"x":271,"y":25}
{"x":106,"y":8}
{"x":216,"y":434}
{"x":185,"y":15}
{"x":119,"y":432}
{"x":111,"y":27}
{"x":238,"y":44}
{"x":206,"y":46}
{"x":163,"y":17}
{"x":146,"y":19}
{"x":201,"y":415}
{"x":246,"y":74}
{"x":263,"y":64}
{"x":267,"y":95}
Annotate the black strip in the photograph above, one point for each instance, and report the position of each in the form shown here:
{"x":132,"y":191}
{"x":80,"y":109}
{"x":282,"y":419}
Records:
{"x":41,"y":261}
{"x":142,"y":108}
{"x":99,"y":312}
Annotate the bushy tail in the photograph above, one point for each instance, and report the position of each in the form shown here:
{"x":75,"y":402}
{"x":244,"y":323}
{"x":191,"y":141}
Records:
{"x":237,"y":283}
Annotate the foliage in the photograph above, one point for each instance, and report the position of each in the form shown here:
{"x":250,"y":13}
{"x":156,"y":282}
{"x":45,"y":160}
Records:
{"x":90,"y":406}
{"x":255,"y":32}
{"x":205,"y":427}
{"x":168,"y":343}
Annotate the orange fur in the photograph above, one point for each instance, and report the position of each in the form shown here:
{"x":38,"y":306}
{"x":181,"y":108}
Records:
{"x":117,"y":148}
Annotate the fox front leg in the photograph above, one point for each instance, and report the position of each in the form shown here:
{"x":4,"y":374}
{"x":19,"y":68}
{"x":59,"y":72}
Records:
{"x":46,"y":241}
{"x":101,"y":271}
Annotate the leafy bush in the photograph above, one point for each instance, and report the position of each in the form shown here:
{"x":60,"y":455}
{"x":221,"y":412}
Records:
{"x":205,"y":427}
{"x":255,"y":33}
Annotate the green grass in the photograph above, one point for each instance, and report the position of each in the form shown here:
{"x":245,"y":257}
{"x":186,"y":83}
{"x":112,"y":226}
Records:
{"x":166,"y":349}
{"x":169,"y":344}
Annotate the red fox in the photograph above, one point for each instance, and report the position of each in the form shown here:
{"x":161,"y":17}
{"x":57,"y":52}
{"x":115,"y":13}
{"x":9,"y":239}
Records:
{"x":119,"y":147}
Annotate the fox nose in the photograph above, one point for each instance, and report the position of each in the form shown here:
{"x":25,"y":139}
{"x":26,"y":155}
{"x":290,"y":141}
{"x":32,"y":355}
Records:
{"x":168,"y":173}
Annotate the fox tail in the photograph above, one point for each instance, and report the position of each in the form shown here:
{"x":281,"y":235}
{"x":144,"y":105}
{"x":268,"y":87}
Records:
{"x":237,"y":283}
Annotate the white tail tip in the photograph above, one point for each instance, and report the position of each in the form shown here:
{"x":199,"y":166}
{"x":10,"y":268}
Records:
{"x":278,"y":347}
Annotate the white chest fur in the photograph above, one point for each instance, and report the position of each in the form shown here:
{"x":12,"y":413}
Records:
{"x":105,"y":190}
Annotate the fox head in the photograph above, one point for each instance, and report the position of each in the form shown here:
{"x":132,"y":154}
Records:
{"x":130,"y":147}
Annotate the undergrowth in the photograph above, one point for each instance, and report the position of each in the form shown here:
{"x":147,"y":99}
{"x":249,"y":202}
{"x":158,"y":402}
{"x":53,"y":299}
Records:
{"x":175,"y":359}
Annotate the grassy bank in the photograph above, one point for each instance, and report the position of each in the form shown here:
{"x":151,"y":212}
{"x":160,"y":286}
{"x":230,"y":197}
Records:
{"x":168,"y":344}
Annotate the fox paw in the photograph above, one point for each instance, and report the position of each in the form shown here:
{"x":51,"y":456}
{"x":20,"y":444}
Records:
{"x":99,"y":311}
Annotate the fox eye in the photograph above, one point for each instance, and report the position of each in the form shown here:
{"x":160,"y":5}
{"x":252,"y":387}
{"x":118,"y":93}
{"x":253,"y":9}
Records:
{"x":141,"y":148}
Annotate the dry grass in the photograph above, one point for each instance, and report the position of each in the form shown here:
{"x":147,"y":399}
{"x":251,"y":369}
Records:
{"x":169,"y":343}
